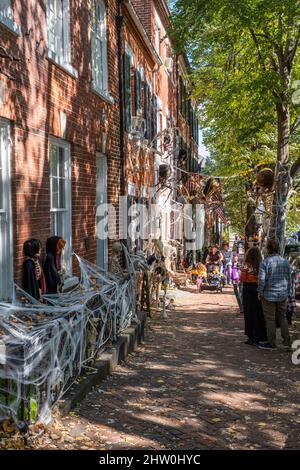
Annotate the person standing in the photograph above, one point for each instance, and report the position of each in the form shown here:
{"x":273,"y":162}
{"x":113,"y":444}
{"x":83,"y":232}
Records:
{"x":274,"y":288}
{"x":235,"y":278}
{"x":53,"y":270}
{"x":33,"y":277}
{"x":255,"y":327}
{"x":214,"y":258}
{"x":227,"y":262}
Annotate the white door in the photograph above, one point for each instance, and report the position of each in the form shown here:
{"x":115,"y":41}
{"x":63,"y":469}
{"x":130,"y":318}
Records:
{"x":6,"y":251}
{"x":61,"y":197}
{"x":101,"y":198}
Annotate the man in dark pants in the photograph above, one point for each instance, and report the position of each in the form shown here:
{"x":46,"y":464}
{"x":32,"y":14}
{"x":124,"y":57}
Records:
{"x":274,"y":287}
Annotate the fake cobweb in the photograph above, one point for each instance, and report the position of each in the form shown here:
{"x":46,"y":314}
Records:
{"x":45,"y":347}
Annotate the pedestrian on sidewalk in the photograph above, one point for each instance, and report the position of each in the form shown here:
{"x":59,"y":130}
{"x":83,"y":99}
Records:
{"x":236,"y":281}
{"x":255,"y":327}
{"x":214,"y":258}
{"x":227,"y":262}
{"x":274,"y":288}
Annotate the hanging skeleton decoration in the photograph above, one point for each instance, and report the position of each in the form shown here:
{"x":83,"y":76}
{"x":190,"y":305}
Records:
{"x":265,"y":179}
{"x":159,"y":277}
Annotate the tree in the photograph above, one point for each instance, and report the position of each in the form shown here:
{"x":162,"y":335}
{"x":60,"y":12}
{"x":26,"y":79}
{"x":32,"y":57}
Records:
{"x":245,"y":58}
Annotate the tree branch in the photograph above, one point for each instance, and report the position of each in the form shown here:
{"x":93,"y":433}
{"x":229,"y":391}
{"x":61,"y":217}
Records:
{"x":295,"y":168}
{"x":292,"y":52}
{"x":295,"y":125}
{"x":256,"y":42}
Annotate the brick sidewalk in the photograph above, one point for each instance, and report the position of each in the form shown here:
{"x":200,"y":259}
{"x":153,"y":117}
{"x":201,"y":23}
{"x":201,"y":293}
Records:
{"x":193,"y":385}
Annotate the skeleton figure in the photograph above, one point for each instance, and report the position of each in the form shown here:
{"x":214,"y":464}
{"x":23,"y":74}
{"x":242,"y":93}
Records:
{"x":159,"y":276}
{"x":115,"y":264}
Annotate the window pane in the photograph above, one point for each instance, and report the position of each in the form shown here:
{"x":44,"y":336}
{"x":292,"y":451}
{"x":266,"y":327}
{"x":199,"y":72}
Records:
{"x":62,"y":193}
{"x":61,"y":162}
{"x":55,"y":26}
{"x":54,"y":195}
{"x":53,"y":160}
{"x":99,"y":47}
{"x":57,"y":223}
{"x":5,"y":8}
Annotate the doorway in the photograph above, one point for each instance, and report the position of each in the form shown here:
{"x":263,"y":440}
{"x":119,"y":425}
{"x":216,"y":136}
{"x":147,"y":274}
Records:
{"x":101,"y":198}
{"x":6,"y":238}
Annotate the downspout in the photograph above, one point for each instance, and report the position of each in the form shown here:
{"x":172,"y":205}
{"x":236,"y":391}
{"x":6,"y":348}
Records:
{"x":119,"y":23}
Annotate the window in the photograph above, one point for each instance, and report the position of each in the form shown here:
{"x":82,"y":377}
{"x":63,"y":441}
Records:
{"x":6,"y":16}
{"x":6,"y":250}
{"x":99,"y":47}
{"x":60,"y":188}
{"x":157,"y":39}
{"x":5,"y":9}
{"x":58,"y":33}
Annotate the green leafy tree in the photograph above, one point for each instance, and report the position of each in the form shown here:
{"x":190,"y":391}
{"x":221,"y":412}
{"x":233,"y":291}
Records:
{"x":245,"y":59}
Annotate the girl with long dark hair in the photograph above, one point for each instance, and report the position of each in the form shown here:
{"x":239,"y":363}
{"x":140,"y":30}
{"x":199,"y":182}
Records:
{"x":255,"y":327}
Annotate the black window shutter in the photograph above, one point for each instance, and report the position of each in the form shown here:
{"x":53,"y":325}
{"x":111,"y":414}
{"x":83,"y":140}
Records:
{"x":138,"y":92}
{"x":147,"y":112}
{"x":154,"y":120}
{"x":127,"y":91}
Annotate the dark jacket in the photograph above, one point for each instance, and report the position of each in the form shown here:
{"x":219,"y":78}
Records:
{"x":52,"y":277}
{"x":30,"y":283}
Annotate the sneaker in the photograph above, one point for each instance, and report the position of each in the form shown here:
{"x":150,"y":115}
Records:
{"x":266,"y":346}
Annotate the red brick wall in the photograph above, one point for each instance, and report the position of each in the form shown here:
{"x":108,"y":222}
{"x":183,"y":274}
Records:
{"x":41,"y":90}
{"x":144,"y":10}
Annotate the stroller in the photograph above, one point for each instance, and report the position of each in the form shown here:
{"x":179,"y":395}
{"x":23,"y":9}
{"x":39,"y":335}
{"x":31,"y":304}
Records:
{"x":214,"y":280}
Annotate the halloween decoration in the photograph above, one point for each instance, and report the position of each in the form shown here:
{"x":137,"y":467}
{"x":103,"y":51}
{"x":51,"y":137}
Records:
{"x":115,"y":263}
{"x":53,"y":269}
{"x":182,"y":157}
{"x":33,"y":276}
{"x":212,"y":186}
{"x":164,"y":172}
{"x":265,"y":179}
{"x":45,"y":347}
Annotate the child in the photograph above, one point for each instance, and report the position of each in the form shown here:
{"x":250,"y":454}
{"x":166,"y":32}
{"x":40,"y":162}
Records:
{"x":33,"y":278}
{"x":235,"y":278}
{"x":201,"y":275}
{"x":52,"y":267}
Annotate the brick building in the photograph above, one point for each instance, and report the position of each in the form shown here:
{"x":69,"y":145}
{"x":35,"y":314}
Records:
{"x":60,"y":118}
{"x":86,"y":91}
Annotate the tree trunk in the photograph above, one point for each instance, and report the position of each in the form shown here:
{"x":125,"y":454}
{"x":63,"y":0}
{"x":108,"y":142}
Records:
{"x":282,"y":178}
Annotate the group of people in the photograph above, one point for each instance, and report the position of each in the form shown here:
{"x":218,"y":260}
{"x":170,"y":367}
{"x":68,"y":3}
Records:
{"x":266,"y":292}
{"x":43,"y":276}
{"x":263,"y":289}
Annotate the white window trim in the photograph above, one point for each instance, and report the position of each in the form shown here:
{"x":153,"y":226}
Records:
{"x":67,"y":148}
{"x":8,"y":205}
{"x":8,"y":21}
{"x":65,"y":60}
